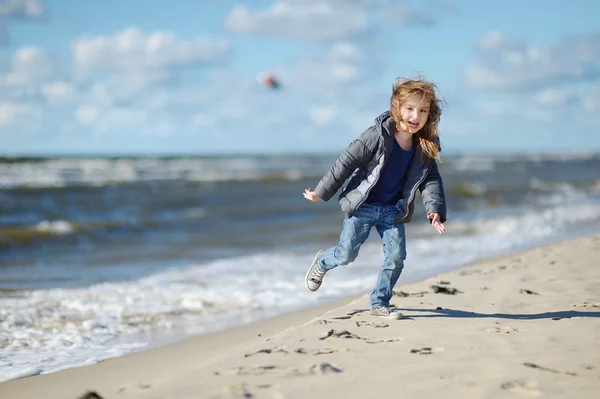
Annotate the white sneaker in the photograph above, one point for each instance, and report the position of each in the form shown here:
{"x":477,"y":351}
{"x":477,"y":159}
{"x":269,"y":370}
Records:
{"x":315,"y":274}
{"x":385,"y":312}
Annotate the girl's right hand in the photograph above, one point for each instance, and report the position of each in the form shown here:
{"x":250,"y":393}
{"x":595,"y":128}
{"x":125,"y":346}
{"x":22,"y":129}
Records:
{"x":310,"y":195}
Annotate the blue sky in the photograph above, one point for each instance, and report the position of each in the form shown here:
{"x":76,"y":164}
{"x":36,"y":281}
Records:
{"x":180,"y":76}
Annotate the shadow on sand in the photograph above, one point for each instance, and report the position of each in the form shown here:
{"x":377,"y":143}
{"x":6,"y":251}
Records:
{"x":410,"y":313}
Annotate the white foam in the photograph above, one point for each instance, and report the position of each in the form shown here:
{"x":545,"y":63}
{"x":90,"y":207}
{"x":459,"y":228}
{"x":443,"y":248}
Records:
{"x":59,"y":227}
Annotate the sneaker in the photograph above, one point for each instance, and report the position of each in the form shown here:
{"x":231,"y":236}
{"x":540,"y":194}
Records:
{"x":315,"y":274}
{"x":385,"y":312}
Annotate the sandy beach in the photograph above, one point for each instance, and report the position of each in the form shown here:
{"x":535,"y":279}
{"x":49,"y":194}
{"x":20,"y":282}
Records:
{"x":521,"y":325}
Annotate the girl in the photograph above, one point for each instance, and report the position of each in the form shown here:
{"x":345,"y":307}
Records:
{"x":388,"y":163}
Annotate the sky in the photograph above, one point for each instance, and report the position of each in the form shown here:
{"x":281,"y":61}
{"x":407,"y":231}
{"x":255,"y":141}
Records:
{"x":181,"y":77}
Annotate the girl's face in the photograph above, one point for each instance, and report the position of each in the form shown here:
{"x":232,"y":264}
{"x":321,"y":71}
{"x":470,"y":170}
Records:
{"x":414,"y":111}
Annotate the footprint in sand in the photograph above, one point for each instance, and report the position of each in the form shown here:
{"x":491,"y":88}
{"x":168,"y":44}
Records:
{"x":522,"y":387}
{"x":348,"y":334}
{"x":288,"y":371}
{"x":373,"y":324}
{"x":470,"y":272}
{"x":500,"y":329}
{"x":243,"y":390}
{"x":325,"y":368}
{"x":135,"y":387}
{"x":301,"y":351}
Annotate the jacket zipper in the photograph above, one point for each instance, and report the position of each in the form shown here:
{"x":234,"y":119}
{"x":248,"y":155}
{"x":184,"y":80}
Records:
{"x":413,"y":191}
{"x":368,"y":191}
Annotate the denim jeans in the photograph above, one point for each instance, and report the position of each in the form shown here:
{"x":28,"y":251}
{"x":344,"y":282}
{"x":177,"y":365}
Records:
{"x":355,"y":232}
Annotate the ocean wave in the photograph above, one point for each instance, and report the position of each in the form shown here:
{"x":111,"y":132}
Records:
{"x":64,"y":172}
{"x":20,"y":235}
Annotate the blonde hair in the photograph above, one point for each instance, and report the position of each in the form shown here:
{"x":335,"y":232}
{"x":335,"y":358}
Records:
{"x":428,"y":136}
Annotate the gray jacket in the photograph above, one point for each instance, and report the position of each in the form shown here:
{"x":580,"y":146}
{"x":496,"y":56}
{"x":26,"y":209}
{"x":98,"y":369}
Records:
{"x":364,"y":159}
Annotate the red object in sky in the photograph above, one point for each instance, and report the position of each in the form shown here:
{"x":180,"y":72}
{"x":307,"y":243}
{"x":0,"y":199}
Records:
{"x":270,"y":81}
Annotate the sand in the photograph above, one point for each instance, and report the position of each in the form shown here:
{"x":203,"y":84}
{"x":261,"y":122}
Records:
{"x":525,"y":325}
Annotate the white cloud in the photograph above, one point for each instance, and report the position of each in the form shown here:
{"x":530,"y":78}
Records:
{"x":3,"y":34}
{"x":402,"y":15}
{"x":29,"y":69}
{"x":131,"y":50}
{"x":340,"y":65}
{"x":58,"y":92}
{"x":116,"y":120}
{"x":552,"y":97}
{"x":21,"y":8}
{"x":19,"y":114}
{"x":87,"y":114}
{"x":512,"y":64}
{"x":539,"y":115}
{"x":30,"y":66}
{"x":326,"y":21}
{"x":496,"y":41}
{"x":13,"y":10}
{"x":591,"y":100}
{"x":125,"y":87}
{"x":7,"y":112}
{"x":203,"y":120}
{"x":315,"y":21}
{"x":322,"y":115}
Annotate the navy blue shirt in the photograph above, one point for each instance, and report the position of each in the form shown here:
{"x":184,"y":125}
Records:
{"x":388,"y":189}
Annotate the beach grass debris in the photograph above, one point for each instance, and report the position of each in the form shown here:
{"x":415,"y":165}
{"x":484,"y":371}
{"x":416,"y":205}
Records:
{"x":329,"y":351}
{"x":256,"y":369}
{"x":438,"y":289}
{"x":378,"y":341}
{"x":528,"y":292}
{"x":339,"y":334}
{"x":374,"y":324}
{"x":586,"y":305}
{"x":537,"y":366}
{"x":403,"y":294}
{"x":422,"y":351}
{"x":357,"y":311}
{"x":278,"y":349}
{"x":90,"y":395}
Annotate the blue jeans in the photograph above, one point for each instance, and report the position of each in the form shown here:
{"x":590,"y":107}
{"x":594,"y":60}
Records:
{"x":356,"y":231}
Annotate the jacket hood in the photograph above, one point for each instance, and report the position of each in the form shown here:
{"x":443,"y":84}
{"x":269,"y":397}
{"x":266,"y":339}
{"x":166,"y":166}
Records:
{"x":385,"y":123}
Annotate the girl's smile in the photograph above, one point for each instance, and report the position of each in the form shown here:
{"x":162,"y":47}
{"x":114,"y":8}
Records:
{"x":415,"y":111}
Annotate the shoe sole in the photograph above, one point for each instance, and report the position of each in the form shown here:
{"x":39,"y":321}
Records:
{"x":390,"y":317}
{"x":310,"y":268}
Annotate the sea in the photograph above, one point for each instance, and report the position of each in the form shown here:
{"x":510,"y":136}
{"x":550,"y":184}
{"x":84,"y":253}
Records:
{"x":101,"y":257}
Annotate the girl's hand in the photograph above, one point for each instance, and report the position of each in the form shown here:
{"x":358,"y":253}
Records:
{"x":310,"y":195}
{"x":435,"y":222}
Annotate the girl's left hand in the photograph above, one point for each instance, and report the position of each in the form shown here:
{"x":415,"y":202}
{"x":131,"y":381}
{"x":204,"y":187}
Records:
{"x":310,"y":195}
{"x":436,"y":222}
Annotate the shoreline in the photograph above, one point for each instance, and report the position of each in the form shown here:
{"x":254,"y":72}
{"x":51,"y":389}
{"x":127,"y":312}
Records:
{"x":503,"y":308}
